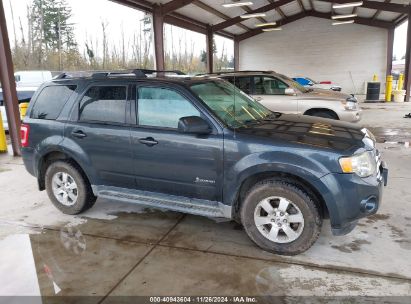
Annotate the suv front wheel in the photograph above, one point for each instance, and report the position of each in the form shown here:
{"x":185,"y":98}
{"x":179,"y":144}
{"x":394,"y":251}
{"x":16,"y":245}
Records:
{"x":67,"y":188}
{"x":280,"y":217}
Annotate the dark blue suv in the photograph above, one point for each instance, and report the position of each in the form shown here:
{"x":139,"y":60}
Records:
{"x":201,"y":146}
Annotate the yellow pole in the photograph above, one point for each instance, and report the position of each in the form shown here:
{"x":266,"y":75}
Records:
{"x":375,"y":78}
{"x":388,"y":89}
{"x":23,"y":109}
{"x":3,"y":142}
{"x":400,"y":83}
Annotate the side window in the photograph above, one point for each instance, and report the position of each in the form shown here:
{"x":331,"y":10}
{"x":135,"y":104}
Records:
{"x":161,"y":107}
{"x":243,"y":83}
{"x":51,"y":101}
{"x":269,"y":86}
{"x":104,"y":104}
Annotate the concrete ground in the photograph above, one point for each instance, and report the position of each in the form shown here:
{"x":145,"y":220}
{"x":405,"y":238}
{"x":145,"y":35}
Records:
{"x":121,"y":249}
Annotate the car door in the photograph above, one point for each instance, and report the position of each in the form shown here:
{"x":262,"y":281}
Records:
{"x":170,"y":162}
{"x":100,"y":131}
{"x":271,"y":92}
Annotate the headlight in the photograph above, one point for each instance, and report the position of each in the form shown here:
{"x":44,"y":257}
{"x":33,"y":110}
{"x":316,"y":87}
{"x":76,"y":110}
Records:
{"x":362,"y":164}
{"x":350,"y":105}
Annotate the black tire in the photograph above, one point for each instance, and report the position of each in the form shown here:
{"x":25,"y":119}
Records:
{"x":324,"y":114}
{"x":292,"y":192}
{"x":85,"y":196}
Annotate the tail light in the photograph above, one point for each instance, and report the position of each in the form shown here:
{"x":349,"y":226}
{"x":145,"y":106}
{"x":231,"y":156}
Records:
{"x":24,"y":133}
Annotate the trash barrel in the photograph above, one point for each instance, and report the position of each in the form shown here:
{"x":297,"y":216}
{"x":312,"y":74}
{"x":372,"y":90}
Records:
{"x":373,"y":91}
{"x":399,"y":95}
{"x":23,"y":109}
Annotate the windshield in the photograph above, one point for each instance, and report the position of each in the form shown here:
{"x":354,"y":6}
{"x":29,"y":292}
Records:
{"x":232,"y":106}
{"x":293,"y":83}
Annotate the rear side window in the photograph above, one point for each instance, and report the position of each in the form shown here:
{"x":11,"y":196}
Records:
{"x":243,"y":83}
{"x":51,"y":101}
{"x":104,"y":104}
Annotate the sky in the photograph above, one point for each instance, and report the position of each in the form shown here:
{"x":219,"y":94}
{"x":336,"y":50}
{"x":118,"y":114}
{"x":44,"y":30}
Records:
{"x":88,"y":15}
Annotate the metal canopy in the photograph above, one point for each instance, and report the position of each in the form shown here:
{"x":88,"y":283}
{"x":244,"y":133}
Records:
{"x":197,"y":15}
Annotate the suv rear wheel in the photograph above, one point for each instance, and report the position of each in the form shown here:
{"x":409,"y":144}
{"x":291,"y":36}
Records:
{"x":280,"y":217}
{"x":67,"y":188}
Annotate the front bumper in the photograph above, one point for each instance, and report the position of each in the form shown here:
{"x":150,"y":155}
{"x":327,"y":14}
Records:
{"x":350,"y":116}
{"x":351,"y":198}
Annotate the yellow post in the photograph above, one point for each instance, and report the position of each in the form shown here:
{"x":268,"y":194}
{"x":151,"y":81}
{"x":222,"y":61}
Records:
{"x":375,"y":78}
{"x":400,"y":83}
{"x":3,"y":142}
{"x":23,"y":109}
{"x":388,"y":89}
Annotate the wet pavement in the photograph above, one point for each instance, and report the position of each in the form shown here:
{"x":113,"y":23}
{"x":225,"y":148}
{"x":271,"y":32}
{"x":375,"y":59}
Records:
{"x":122,"y":249}
{"x":117,"y":249}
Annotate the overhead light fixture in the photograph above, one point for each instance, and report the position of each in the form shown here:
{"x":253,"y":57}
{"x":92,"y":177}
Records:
{"x":246,"y":16}
{"x":236,"y":4}
{"x":344,"y":5}
{"x":343,"y":22}
{"x":344,"y":16}
{"x":272,"y":29}
{"x":265,"y":24}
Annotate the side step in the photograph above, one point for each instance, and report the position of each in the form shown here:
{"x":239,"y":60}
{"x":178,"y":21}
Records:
{"x":164,"y":201}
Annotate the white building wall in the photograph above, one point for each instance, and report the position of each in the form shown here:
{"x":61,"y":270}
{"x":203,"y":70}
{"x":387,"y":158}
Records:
{"x":348,"y":55}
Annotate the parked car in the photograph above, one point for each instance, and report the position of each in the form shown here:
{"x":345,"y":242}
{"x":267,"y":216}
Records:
{"x":23,"y":95}
{"x":32,"y":78}
{"x":201,"y":146}
{"x":310,"y":83}
{"x":282,"y":94}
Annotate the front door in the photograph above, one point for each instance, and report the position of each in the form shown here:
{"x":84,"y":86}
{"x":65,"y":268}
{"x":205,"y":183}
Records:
{"x":102,"y":136}
{"x":271,"y":92}
{"x":168,"y":161}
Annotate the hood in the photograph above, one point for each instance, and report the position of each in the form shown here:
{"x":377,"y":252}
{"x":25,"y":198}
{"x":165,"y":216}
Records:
{"x":323,"y":94}
{"x":316,"y":132}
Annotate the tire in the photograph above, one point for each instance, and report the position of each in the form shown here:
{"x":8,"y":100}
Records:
{"x":299,"y":204}
{"x":62,"y":193}
{"x":324,"y":114}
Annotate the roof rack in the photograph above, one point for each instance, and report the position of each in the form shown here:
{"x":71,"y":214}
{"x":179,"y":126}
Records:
{"x":233,"y":72}
{"x":137,"y":72}
{"x":141,"y":73}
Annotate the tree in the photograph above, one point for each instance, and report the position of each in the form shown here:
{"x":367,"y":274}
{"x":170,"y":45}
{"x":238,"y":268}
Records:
{"x":50,"y":30}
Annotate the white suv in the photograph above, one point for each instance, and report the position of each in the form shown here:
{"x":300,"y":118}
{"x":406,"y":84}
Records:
{"x":280,"y":93}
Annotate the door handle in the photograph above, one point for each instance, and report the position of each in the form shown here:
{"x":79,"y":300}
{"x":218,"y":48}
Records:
{"x":148,"y":141}
{"x":78,"y":133}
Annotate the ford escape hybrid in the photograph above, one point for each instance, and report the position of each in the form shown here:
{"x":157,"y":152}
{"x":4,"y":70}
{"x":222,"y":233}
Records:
{"x":199,"y":145}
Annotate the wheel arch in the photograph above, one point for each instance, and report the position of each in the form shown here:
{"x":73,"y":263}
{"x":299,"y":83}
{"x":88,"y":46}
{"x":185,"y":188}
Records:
{"x":312,"y":111}
{"x":297,"y":180}
{"x":53,"y":156}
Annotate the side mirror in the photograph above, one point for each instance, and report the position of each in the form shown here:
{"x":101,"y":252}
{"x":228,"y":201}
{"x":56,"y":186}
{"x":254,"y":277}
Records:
{"x":193,"y":125}
{"x":258,"y":98}
{"x":290,"y":92}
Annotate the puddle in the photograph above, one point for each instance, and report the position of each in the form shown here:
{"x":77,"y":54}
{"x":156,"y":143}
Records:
{"x":400,"y":136}
{"x":64,"y":262}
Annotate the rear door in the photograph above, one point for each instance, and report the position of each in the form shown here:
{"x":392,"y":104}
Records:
{"x":270,"y":91}
{"x":103,"y":135}
{"x":166,"y":160}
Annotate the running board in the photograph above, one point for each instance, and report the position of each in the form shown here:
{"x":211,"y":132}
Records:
{"x":164,"y":201}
